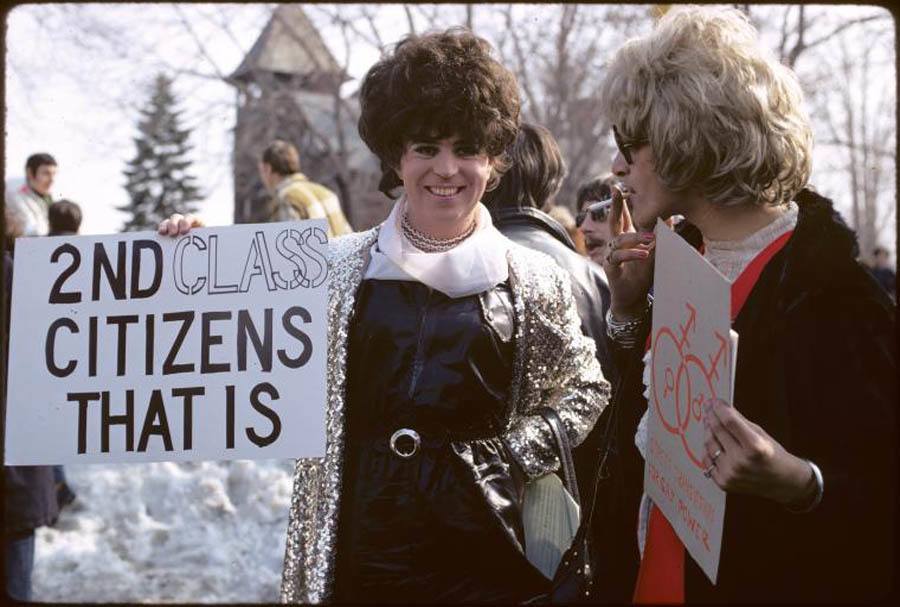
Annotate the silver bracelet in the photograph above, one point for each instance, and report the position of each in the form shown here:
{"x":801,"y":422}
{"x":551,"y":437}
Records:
{"x":820,"y":490}
{"x":624,"y":333}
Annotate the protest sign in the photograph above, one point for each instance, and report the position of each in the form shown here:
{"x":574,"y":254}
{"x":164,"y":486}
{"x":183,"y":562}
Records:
{"x":137,"y":347}
{"x":692,"y":360}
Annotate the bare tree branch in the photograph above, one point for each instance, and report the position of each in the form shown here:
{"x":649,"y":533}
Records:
{"x":338,"y":17}
{"x":800,"y":45}
{"x":411,"y":23}
{"x":201,"y":47}
{"x":784,"y":34}
{"x":224,"y":23}
{"x":845,"y":144}
{"x":370,"y":20}
{"x":522,"y":65}
{"x":431,"y":18}
{"x":844,"y":26}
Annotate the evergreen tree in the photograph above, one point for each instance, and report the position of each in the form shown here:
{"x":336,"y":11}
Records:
{"x":158,"y":182}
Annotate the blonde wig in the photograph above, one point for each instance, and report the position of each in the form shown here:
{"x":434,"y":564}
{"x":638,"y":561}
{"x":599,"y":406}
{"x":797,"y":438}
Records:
{"x":722,"y":116}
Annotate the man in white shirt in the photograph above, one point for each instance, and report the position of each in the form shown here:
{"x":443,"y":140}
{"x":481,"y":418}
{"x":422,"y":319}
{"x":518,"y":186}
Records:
{"x":30,"y":202}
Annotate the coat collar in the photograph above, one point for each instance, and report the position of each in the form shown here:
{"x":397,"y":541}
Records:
{"x":535,"y":217}
{"x":349,"y":258}
{"x":820,"y":255}
{"x":288,"y":181}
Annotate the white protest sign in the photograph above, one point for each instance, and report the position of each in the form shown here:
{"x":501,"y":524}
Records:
{"x":692,"y":360}
{"x":138,"y":347}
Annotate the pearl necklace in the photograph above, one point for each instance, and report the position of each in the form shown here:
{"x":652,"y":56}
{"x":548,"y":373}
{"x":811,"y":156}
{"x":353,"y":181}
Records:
{"x":428,"y":244}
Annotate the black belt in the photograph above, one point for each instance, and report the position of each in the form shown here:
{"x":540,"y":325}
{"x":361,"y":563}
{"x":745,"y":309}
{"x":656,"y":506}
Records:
{"x":405,"y":440}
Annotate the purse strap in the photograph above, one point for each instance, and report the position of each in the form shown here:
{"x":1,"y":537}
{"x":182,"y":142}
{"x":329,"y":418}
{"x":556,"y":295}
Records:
{"x":564,"y":450}
{"x":609,"y":439}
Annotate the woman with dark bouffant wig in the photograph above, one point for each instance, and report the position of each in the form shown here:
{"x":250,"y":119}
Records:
{"x":447,"y":343}
{"x":446,"y":338}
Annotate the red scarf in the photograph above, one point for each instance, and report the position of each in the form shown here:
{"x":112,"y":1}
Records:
{"x":661,"y":576}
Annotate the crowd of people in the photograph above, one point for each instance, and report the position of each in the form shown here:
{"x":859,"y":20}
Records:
{"x":481,"y":302}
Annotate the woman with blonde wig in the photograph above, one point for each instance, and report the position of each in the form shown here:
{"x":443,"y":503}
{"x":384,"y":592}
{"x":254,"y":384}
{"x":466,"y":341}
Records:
{"x":711,"y":127}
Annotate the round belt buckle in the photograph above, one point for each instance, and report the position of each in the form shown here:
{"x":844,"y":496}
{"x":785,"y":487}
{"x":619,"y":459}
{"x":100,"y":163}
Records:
{"x":405,"y":442}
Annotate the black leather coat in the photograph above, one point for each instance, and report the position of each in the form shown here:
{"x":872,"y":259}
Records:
{"x":817,"y":370}
{"x":444,"y":525}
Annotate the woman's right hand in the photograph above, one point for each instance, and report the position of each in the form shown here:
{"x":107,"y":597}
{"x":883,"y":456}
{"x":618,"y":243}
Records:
{"x":179,"y":225}
{"x":628,"y":261}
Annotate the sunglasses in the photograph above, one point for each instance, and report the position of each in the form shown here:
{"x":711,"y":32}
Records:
{"x":626,"y":146}
{"x":599,"y":212}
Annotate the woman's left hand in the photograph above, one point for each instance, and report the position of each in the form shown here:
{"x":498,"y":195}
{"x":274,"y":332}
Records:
{"x":742,"y":458}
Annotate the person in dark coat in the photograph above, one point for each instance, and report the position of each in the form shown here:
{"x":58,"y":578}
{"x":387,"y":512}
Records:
{"x":711,"y":127}
{"x":29,"y":492}
{"x":883,"y":272}
{"x":64,"y":218}
{"x":446,"y":340}
{"x":535,"y":176}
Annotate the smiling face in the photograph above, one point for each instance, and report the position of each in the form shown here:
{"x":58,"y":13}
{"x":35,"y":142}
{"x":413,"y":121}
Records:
{"x":648,"y":197}
{"x":443,"y":181}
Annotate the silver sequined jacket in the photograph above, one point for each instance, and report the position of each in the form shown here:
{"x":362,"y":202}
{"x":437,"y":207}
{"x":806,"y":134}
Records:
{"x":553,"y":365}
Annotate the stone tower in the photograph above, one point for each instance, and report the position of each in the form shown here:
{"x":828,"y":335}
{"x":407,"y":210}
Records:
{"x":288,"y":88}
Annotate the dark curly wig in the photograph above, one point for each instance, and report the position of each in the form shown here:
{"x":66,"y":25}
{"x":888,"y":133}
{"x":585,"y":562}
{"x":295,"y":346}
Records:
{"x":438,"y":85}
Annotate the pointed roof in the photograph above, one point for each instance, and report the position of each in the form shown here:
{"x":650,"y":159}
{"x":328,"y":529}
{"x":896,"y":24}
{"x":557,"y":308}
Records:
{"x":289,"y":44}
{"x":318,"y":109}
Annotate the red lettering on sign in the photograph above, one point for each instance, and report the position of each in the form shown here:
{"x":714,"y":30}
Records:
{"x":693,"y":525}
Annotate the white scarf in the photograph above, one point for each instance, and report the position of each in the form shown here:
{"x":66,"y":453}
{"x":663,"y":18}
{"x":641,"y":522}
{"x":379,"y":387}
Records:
{"x":475,"y":265}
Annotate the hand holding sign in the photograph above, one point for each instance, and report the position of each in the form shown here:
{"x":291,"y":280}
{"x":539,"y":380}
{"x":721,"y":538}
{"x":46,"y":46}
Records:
{"x":747,"y":460}
{"x":179,"y":225}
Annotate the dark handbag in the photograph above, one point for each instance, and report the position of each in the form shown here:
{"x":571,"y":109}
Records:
{"x":574,"y":579}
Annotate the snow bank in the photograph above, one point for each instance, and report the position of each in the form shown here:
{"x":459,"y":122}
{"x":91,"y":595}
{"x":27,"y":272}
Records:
{"x":168,"y":532}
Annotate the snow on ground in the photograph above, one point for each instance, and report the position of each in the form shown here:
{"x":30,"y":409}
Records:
{"x":204,"y":532}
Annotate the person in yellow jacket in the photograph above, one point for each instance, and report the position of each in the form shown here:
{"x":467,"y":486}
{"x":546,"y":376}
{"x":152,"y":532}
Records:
{"x":295,"y":196}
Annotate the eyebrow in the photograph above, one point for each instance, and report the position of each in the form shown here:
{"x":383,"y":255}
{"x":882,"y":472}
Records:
{"x":423,"y":139}
{"x":437,"y":139}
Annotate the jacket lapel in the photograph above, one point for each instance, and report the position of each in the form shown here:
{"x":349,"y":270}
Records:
{"x":349,"y":257}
